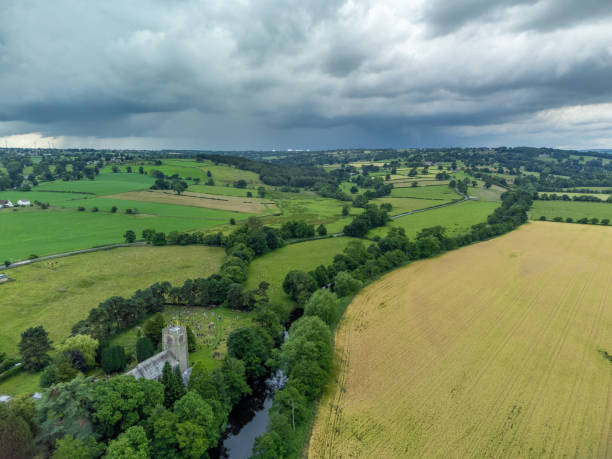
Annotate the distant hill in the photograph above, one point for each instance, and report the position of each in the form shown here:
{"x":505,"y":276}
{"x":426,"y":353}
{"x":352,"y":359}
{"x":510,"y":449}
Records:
{"x":600,"y":150}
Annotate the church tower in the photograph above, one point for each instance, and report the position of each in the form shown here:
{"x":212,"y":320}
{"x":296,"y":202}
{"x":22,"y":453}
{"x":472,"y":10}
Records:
{"x":174,"y":340}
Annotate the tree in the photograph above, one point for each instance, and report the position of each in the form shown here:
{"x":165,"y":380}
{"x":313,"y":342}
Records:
{"x":85,"y":344}
{"x":144,"y":349}
{"x":321,"y":230}
{"x":345,"y":284}
{"x":261,"y":191}
{"x":153,"y":328}
{"x":240,"y":183}
{"x":322,"y":304}
{"x":179,"y":186}
{"x":173,"y":384}
{"x":65,"y":372}
{"x":345,"y":210}
{"x":122,"y":402}
{"x":48,"y":377}
{"x":70,"y":447}
{"x":248,"y":345}
{"x":195,"y":430}
{"x":249,"y":194}
{"x":34,"y":346}
{"x":132,"y":444}
{"x":16,"y":436}
{"x":159,"y":239}
{"x":234,"y":379}
{"x":299,"y":285}
{"x":64,"y":410}
{"x":191,"y":340}
{"x":113,"y":359}
{"x":114,"y":209}
{"x":129,"y":236}
{"x":235,"y":297}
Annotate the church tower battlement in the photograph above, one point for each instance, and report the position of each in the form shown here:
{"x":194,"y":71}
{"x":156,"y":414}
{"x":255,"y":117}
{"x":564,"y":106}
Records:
{"x":174,"y":340}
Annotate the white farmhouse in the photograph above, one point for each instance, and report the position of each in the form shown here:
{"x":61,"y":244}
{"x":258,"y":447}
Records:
{"x":5,"y":203}
{"x":24,"y":203}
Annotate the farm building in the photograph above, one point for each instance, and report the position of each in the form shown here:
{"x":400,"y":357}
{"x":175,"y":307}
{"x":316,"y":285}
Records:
{"x":24,"y":203}
{"x":3,"y":278}
{"x":174,"y":352}
{"x":5,"y":203}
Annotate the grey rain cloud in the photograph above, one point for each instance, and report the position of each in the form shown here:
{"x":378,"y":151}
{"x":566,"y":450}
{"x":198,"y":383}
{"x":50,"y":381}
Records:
{"x":319,"y":74}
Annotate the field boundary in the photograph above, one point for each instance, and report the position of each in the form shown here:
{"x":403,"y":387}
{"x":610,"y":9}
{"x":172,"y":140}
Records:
{"x":19,"y":264}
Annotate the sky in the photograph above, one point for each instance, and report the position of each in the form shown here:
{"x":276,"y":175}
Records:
{"x":317,"y":74}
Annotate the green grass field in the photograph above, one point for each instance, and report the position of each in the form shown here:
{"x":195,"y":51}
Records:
{"x":571,"y":209}
{"x":44,"y":232}
{"x":221,"y":174}
{"x":304,"y":256}
{"x":105,"y":183}
{"x":456,"y":218}
{"x":439,"y":192}
{"x":401,"y":205}
{"x":60,"y":294}
{"x":311,"y":208}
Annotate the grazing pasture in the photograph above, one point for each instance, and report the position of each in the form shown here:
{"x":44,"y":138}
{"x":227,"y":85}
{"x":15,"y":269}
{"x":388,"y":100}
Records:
{"x":439,"y":192}
{"x":59,"y":293}
{"x":44,"y":232}
{"x":492,"y":350}
{"x":401,"y":205}
{"x":105,"y":183}
{"x":456,"y":218}
{"x":304,"y":256}
{"x":571,"y":209}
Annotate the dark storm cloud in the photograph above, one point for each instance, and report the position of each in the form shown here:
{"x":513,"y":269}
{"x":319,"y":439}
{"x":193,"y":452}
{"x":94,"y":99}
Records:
{"x":272,"y":73}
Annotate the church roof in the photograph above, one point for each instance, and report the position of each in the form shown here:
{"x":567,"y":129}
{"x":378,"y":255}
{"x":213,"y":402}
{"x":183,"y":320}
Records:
{"x":152,"y":367}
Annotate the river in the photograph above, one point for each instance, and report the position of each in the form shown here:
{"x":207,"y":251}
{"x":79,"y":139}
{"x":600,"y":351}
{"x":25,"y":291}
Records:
{"x":249,"y":417}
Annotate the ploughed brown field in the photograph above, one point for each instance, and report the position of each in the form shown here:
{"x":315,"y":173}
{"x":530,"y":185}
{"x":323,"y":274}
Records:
{"x":190,"y":198}
{"x":493,"y":350}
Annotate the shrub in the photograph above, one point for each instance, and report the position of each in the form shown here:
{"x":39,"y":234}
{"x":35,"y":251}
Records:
{"x":81,"y":209}
{"x":144,"y":349}
{"x":48,"y":377}
{"x":543,"y":218}
{"x":113,"y":359}
{"x":113,"y":209}
{"x":159,"y":239}
{"x":345,"y":284}
{"x":94,"y":209}
{"x":558,"y":219}
{"x":322,"y":304}
{"x":569,"y":220}
{"x":605,"y":221}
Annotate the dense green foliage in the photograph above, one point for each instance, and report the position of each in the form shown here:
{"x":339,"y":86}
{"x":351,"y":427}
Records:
{"x":34,"y":347}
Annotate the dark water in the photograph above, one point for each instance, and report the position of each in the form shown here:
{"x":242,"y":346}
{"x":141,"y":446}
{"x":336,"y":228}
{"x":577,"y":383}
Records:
{"x":249,"y":418}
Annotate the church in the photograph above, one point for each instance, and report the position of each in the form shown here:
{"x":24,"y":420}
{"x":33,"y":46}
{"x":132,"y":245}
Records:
{"x":174,"y":351}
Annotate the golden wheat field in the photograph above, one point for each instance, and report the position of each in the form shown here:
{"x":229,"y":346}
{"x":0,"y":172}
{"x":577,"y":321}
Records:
{"x":493,"y":350}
